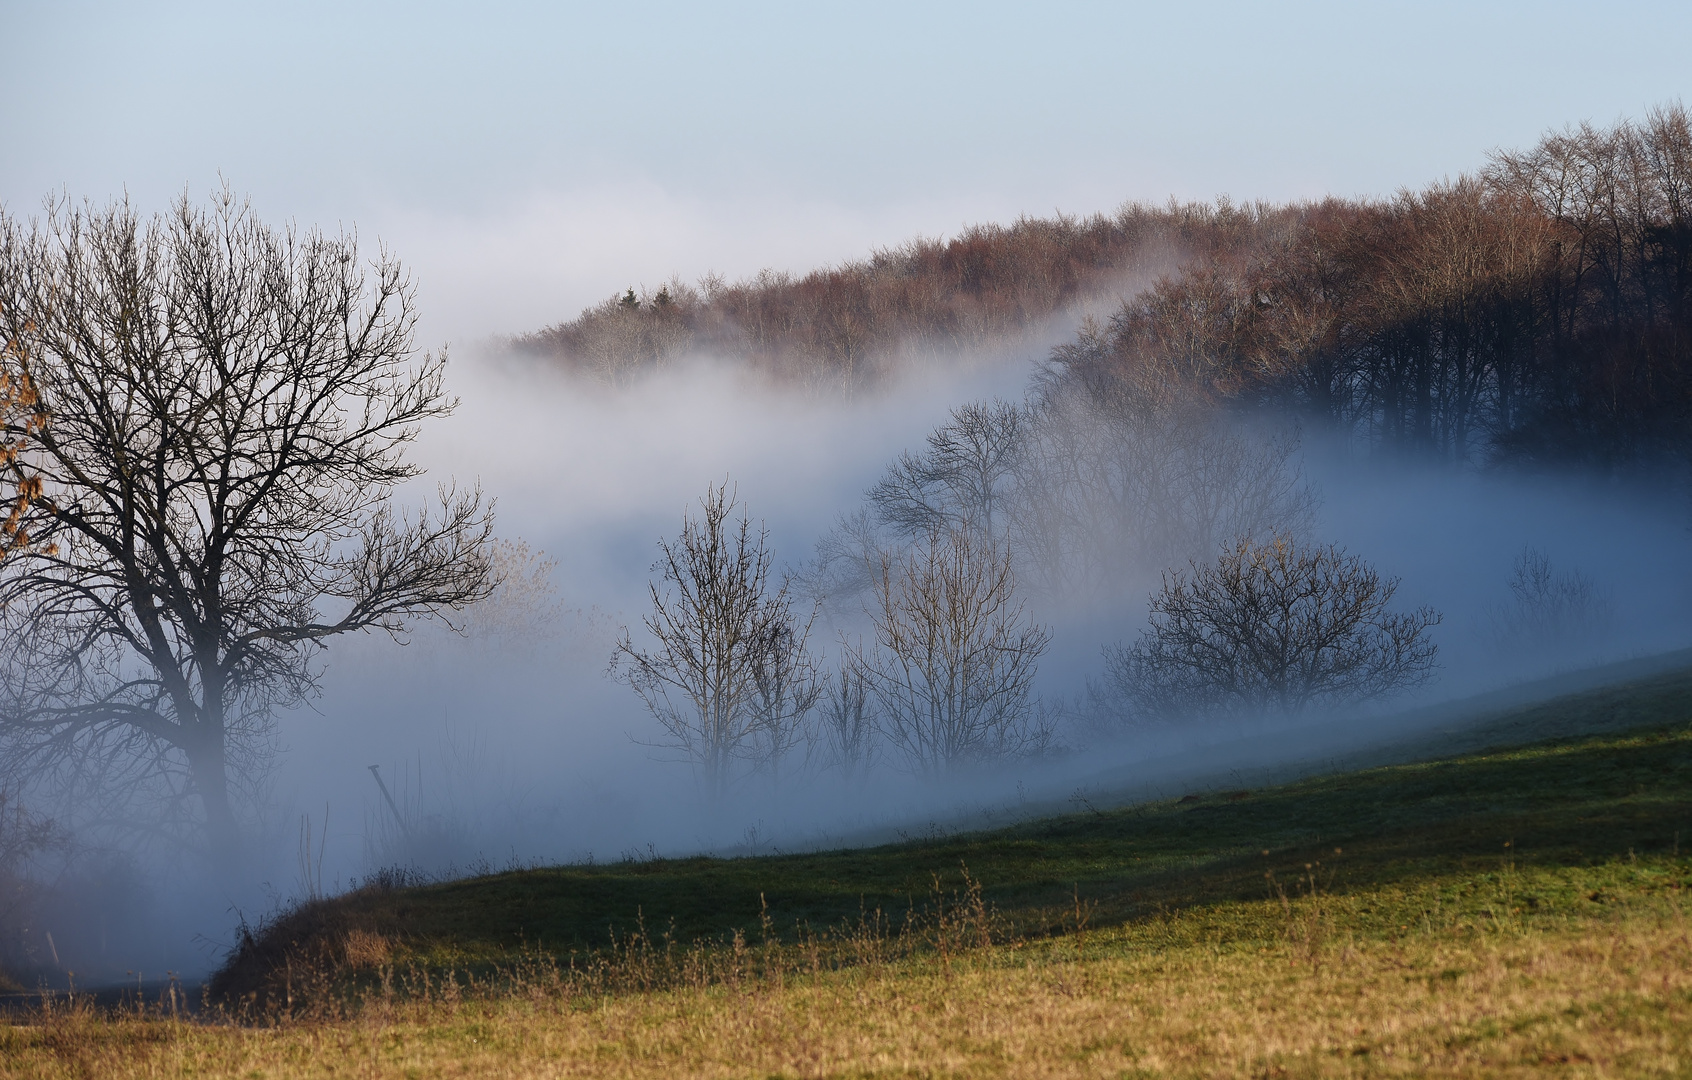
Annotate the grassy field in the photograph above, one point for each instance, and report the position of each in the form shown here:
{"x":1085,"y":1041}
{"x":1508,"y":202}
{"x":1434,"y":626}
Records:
{"x":1505,"y":911}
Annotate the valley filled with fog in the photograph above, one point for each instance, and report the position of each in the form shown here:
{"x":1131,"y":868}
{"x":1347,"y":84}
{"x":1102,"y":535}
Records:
{"x":1424,"y":451}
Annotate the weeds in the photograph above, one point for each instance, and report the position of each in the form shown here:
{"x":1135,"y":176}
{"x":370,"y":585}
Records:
{"x":1308,"y":925}
{"x":1161,"y":997}
{"x":1439,"y":944}
{"x":319,"y":974}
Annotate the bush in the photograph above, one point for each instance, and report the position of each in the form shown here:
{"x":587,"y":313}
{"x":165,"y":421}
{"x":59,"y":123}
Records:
{"x":1273,"y":628}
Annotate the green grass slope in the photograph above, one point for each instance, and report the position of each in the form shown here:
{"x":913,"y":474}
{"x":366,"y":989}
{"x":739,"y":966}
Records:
{"x":1540,"y":831}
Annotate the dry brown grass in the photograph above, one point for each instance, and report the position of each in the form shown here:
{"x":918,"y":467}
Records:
{"x":366,"y":949}
{"x":1603,"y":996}
{"x":1432,"y":942}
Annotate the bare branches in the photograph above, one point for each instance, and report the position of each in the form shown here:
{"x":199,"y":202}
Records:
{"x":230,"y":408}
{"x":1272,"y":628}
{"x":849,"y":724}
{"x":729,"y":679}
{"x":953,"y":663}
{"x":962,"y":480}
{"x":1550,"y":612}
{"x":1110,"y":490}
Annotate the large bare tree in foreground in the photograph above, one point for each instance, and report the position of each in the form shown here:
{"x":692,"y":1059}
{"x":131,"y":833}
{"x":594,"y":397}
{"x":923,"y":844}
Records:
{"x":228,"y":408}
{"x":1274,"y":627}
{"x":728,"y":677}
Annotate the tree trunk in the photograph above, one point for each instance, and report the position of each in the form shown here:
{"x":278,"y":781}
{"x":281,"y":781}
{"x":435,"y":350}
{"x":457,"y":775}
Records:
{"x":211,"y":780}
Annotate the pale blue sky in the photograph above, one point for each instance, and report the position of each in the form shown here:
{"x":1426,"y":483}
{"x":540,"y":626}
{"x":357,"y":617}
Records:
{"x":529,"y":158}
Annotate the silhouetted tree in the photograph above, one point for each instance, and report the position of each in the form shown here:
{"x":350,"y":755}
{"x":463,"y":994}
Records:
{"x":848,"y":722}
{"x":960,"y":482}
{"x":228,"y":408}
{"x":1274,"y":628}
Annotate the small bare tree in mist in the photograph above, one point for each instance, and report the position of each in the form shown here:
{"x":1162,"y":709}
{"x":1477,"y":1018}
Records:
{"x":786,"y":686}
{"x":846,"y":558}
{"x":960,"y":482}
{"x":952,"y":668}
{"x":1549,"y":611}
{"x":228,"y":408}
{"x":1110,"y":488}
{"x":729,"y":679}
{"x":849,"y":725}
{"x":1272,"y":628}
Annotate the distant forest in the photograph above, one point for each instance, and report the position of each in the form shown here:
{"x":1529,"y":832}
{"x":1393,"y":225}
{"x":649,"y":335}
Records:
{"x":1539,"y":310}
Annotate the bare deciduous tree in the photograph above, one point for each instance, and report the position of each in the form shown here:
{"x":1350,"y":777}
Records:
{"x":1109,"y":491}
{"x":847,"y":556}
{"x":1549,"y":612}
{"x":848,"y":723}
{"x":1272,"y":628}
{"x":229,"y":408}
{"x":728,"y":679}
{"x":953,"y":664}
{"x":785,"y":689}
{"x":961,"y":480}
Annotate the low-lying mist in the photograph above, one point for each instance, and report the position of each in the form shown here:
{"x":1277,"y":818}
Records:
{"x":509,"y":744}
{"x":516,"y":745}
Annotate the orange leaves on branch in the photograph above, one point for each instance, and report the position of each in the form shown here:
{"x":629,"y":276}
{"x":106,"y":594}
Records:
{"x":21,"y":416}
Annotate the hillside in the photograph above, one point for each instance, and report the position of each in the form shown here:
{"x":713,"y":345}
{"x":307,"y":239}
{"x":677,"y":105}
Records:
{"x":1561,"y":812}
{"x":1502,"y":912}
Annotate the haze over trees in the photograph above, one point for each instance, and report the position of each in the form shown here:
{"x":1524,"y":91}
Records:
{"x":1089,"y":497}
{"x":205,"y":420}
{"x":724,"y":666}
{"x":1114,"y":487}
{"x":1539,"y":310}
{"x":1550,"y":611}
{"x":229,"y":407}
{"x":851,"y":325}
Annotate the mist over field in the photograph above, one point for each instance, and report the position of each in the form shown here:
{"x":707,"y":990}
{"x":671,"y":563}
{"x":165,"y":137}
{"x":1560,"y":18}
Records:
{"x":1196,"y":495}
{"x":515,"y":748}
{"x":511,"y":745}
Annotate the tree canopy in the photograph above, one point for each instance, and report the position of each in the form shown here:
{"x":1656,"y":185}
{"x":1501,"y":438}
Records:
{"x":230,"y":406}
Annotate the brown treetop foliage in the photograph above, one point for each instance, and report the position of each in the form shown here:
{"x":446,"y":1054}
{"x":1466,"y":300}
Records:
{"x":851,"y":322}
{"x":1539,"y":310}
